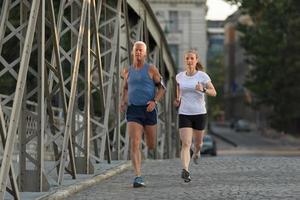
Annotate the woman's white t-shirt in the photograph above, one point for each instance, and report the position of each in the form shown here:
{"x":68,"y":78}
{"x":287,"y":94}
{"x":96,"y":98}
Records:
{"x":192,"y":101}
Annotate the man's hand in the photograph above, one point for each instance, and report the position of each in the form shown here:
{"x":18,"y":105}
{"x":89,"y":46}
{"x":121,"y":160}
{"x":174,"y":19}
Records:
{"x":123,"y":106}
{"x":151,"y":106}
{"x":177,"y":102}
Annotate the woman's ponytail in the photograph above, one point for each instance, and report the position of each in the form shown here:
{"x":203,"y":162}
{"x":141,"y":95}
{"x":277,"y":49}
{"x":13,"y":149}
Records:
{"x":199,"y":66}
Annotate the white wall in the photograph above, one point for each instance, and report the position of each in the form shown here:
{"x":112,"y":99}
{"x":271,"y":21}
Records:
{"x":192,"y":31}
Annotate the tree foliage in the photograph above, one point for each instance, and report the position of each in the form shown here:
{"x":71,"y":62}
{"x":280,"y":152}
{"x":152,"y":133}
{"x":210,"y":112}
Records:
{"x":272,"y":44}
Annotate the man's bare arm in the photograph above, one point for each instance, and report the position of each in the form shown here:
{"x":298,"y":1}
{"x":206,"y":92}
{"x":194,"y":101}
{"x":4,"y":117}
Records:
{"x":161,"y":88}
{"x":124,"y":94}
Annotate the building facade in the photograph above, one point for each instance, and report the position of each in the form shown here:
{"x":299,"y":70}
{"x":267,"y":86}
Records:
{"x":215,"y":38}
{"x":184,"y":24}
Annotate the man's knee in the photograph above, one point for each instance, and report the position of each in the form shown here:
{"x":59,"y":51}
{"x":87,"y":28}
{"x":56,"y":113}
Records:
{"x":150,"y":137}
{"x":151,"y":145}
{"x":186,"y":144}
{"x":135,"y":144}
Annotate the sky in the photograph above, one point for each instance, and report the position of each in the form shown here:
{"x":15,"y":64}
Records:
{"x":219,"y":10}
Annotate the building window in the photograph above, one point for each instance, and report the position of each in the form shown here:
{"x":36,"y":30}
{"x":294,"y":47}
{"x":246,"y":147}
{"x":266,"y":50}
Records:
{"x":173,"y":17}
{"x":215,"y":45}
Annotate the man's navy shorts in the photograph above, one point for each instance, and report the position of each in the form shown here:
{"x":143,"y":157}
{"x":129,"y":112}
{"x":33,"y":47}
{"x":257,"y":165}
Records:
{"x":140,"y":115}
{"x":197,"y":122}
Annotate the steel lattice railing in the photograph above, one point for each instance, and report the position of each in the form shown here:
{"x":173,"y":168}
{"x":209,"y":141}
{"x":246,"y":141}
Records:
{"x":60,"y":64}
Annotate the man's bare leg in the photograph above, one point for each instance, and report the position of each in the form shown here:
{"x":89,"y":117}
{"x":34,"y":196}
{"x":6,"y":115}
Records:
{"x":150,"y":136}
{"x":135,"y":131}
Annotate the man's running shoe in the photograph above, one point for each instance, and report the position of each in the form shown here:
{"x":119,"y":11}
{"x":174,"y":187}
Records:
{"x":185,"y":175}
{"x":138,"y":182}
{"x":196,"y":158}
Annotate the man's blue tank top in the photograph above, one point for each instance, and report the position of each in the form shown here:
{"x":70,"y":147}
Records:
{"x":141,"y":88}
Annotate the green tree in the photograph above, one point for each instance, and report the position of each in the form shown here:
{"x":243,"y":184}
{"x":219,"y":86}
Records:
{"x":273,"y":48}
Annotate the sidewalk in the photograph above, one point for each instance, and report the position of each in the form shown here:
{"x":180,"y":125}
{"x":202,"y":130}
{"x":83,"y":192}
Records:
{"x":70,"y":186}
{"x":254,"y":143}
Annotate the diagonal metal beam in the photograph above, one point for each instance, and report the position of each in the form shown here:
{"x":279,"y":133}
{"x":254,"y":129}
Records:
{"x":57,"y":55}
{"x":115,"y":48}
{"x":87,"y":92}
{"x":41,"y":97}
{"x":3,"y":18}
{"x":59,"y":72}
{"x":12,"y":129}
{"x":70,"y":111}
{"x":15,"y":190}
{"x":98,"y":52}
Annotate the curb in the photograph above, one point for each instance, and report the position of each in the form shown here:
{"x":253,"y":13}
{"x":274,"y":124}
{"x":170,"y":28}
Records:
{"x":222,"y":137}
{"x":72,"y":189}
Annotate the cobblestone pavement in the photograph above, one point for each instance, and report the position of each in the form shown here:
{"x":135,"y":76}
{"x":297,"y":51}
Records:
{"x":223,"y":177}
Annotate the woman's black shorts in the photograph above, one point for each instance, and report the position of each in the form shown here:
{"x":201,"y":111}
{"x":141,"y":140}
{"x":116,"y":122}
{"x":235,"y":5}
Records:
{"x":197,"y":122}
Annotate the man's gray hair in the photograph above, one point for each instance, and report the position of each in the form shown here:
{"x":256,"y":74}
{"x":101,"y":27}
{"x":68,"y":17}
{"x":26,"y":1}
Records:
{"x":140,"y":42}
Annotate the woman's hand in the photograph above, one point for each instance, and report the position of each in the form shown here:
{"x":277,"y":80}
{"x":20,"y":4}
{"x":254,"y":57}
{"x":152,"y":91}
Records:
{"x":199,"y":87}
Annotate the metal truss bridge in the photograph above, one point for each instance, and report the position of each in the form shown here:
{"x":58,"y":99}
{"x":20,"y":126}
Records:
{"x":60,"y":63}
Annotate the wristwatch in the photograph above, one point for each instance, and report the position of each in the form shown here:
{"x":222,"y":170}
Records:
{"x":156,"y":102}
